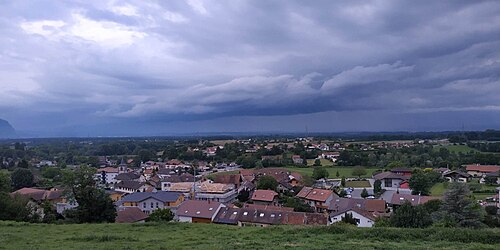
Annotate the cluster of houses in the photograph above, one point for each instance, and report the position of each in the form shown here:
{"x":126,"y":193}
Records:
{"x":197,"y":199}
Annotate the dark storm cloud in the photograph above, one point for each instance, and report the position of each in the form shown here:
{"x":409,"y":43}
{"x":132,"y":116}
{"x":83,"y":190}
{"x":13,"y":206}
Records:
{"x":92,"y":63}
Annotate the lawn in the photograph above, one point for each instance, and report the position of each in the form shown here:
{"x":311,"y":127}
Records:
{"x":358,"y":184}
{"x":457,"y":148}
{"x":439,"y":188}
{"x":332,"y":171}
{"x":211,"y":236}
{"x":324,"y":162}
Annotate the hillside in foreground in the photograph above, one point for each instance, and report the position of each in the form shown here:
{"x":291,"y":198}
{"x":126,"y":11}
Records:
{"x":202,"y":236}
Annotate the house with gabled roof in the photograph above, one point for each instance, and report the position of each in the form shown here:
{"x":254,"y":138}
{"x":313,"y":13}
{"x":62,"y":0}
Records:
{"x":133,"y":186}
{"x":197,"y":211}
{"x":393,"y":178}
{"x":363,"y":211}
{"x":130,"y":215}
{"x":317,"y":198}
{"x":265,"y":197}
{"x":477,"y":170}
{"x":151,"y":201}
{"x":400,"y":199}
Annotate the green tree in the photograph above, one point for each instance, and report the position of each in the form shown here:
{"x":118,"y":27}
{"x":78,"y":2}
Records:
{"x":358,"y":171}
{"x":364,"y":193}
{"x":342,"y":181}
{"x":395,"y":164}
{"x":51,"y":172}
{"x":4,"y":181}
{"x":319,"y":172}
{"x":458,"y":208}
{"x":420,"y":183}
{"x":297,"y":205}
{"x":349,"y":219}
{"x":243,"y":195}
{"x":307,"y":180}
{"x":317,"y":162}
{"x":337,"y":174}
{"x":267,"y":182}
{"x":377,"y":186}
{"x":23,"y":164}
{"x":410,"y":216}
{"x":490,"y":180}
{"x":22,"y":178}
{"x":94,"y":205}
{"x":161,"y":215}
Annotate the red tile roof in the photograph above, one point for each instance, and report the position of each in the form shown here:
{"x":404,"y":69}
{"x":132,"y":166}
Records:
{"x":399,"y":199}
{"x":264,"y":195}
{"x":314,"y":194}
{"x":269,"y":207}
{"x":130,"y":215}
{"x":483,"y":168}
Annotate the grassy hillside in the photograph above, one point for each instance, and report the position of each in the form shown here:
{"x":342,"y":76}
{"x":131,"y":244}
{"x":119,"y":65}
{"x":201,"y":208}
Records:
{"x":202,"y":236}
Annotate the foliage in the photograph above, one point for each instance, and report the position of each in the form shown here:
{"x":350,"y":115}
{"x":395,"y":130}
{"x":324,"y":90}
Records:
{"x":5,"y":182}
{"x":364,"y":193}
{"x":377,"y":187}
{"x":337,"y":174}
{"x":432,"y":206}
{"x":21,"y":178}
{"x":458,"y":208}
{"x":410,"y":216}
{"x":161,"y":215}
{"x":297,"y":204}
{"x":319,"y":173}
{"x":267,"y":182}
{"x":395,"y":164}
{"x":94,"y":205}
{"x":17,"y":208}
{"x":421,"y":182}
{"x":491,"y":210}
{"x":342,"y":181}
{"x":243,"y":195}
{"x":358,"y":171}
{"x":349,"y":219}
{"x":317,"y":162}
{"x":307,"y":180}
{"x":490,"y":180}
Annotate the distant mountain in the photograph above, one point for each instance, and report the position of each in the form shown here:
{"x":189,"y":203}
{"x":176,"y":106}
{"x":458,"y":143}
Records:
{"x":6,"y":130}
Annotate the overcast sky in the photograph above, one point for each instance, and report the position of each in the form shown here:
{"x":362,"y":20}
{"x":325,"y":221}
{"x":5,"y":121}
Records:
{"x":158,"y":67}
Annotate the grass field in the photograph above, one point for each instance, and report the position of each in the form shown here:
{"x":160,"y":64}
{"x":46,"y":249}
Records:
{"x":439,"y":188}
{"x":343,"y":171}
{"x":324,"y":162}
{"x":457,"y":148}
{"x":205,"y":236}
{"x":358,"y":184}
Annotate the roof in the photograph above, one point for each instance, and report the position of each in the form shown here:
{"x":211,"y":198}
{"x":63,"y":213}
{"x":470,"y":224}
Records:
{"x":39,"y":194}
{"x":264,"y":195}
{"x":108,"y":170}
{"x":181,"y":187}
{"x":130,"y":215}
{"x":207,"y":187}
{"x":228,"y":179}
{"x":314,"y":194}
{"x":127,"y":176}
{"x":401,"y":170}
{"x":269,"y":207}
{"x":227,"y":215}
{"x":296,"y":176}
{"x":198,"y":209}
{"x":399,"y":199}
{"x":494,"y":174}
{"x":456,"y":173}
{"x":163,"y":196}
{"x":483,"y":168}
{"x":390,"y":175}
{"x":178,"y":178}
{"x":367,"y":208}
{"x":130,"y":184}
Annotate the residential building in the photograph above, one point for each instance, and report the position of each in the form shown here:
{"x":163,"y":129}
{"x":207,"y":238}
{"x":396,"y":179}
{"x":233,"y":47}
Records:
{"x":245,"y":217}
{"x":198,"y":211}
{"x":477,"y":170}
{"x":225,"y":193}
{"x":265,"y":197}
{"x":393,"y":178}
{"x":133,"y":186}
{"x":107,"y":175}
{"x":363,"y":211}
{"x":151,"y":201}
{"x":319,"y":199}
{"x":400,"y":199}
{"x":297,"y":159}
{"x":130,"y":215}
{"x":456,"y":176}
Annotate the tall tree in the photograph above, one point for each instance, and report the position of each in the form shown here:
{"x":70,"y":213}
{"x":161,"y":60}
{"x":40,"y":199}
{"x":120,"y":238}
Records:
{"x":4,"y":181}
{"x":22,"y":178}
{"x":319,"y":172}
{"x":420,"y":183}
{"x":267,"y":182}
{"x":349,"y":219}
{"x":458,"y":208}
{"x":94,"y":205}
{"x":364,"y":193}
{"x":410,"y":216}
{"x":377,"y":186}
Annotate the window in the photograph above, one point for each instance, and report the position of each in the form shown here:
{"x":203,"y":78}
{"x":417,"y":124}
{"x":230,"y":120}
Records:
{"x":388,"y":182}
{"x":144,"y":205}
{"x":157,"y":205}
{"x":151,"y":204}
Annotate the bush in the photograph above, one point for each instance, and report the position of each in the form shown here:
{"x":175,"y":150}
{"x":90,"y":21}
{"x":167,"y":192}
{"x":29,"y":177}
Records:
{"x":161,"y":215}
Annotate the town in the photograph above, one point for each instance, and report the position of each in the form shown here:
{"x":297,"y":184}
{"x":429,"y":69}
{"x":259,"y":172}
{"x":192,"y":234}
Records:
{"x":254,"y":182}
